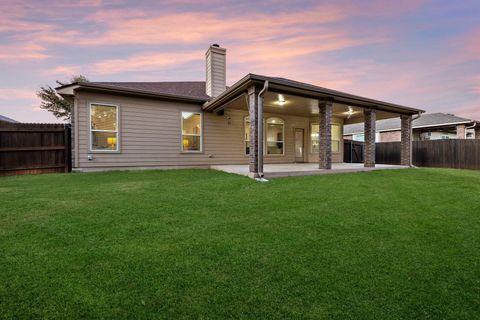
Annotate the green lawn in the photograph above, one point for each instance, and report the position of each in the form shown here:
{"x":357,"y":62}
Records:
{"x":400,"y":244}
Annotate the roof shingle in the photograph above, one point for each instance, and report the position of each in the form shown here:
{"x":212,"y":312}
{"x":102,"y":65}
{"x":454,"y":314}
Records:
{"x":7,"y":119}
{"x":426,"y":120}
{"x":191,"y":89}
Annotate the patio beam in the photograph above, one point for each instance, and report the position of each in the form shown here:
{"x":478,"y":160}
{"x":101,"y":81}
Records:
{"x":369,"y":144}
{"x":325,"y":134}
{"x":406,"y":140}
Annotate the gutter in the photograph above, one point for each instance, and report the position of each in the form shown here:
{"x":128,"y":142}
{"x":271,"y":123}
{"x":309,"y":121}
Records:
{"x":260,"y":129}
{"x":471,"y":127}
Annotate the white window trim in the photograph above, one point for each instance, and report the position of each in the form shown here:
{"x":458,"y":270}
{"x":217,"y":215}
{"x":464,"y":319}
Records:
{"x":117,"y":131}
{"x":266,"y":138}
{"x":311,"y":144}
{"x":189,"y":134}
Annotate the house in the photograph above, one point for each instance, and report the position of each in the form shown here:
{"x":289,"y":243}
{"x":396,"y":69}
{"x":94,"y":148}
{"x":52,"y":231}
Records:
{"x":7,"y":119}
{"x":259,"y":119}
{"x":431,"y":126}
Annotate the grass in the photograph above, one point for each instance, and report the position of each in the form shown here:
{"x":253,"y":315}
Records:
{"x":400,"y":244}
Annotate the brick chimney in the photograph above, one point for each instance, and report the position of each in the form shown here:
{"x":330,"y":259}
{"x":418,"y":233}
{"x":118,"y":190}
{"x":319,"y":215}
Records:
{"x":216,"y":73}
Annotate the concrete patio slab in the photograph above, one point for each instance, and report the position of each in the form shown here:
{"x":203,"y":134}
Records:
{"x":302,"y":169}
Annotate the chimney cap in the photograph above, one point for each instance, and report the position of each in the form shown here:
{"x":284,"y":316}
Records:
{"x":216,"y":45}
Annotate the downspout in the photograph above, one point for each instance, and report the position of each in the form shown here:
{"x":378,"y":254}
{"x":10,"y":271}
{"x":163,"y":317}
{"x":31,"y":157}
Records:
{"x":411,"y":138}
{"x":471,"y":127}
{"x":260,"y":130}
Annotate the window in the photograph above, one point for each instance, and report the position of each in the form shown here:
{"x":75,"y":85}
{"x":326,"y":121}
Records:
{"x":103,"y":127}
{"x":275,"y":135}
{"x":336,"y":137}
{"x":247,"y":135}
{"x":191,"y":132}
{"x":314,"y":141}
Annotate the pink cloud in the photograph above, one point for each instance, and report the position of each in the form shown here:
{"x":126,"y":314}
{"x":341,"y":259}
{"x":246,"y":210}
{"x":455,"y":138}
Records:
{"x":195,"y":27}
{"x":139,"y":62}
{"x":17,"y":94}
{"x":272,"y":31}
{"x":471,"y":110}
{"x":20,"y":52}
{"x":17,"y":25}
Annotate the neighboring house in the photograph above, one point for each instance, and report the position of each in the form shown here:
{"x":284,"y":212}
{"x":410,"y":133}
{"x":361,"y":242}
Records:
{"x":431,"y":126}
{"x":7,"y":119}
{"x":203,"y":123}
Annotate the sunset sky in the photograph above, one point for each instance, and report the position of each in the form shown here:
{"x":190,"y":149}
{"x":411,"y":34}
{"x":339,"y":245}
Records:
{"x":423,"y":54}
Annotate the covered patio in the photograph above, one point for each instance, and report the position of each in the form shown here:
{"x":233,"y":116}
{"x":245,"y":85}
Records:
{"x":302,"y":169}
{"x":294,"y":128}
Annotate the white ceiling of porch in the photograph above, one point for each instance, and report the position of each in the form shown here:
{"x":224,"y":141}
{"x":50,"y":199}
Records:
{"x":305,"y":107}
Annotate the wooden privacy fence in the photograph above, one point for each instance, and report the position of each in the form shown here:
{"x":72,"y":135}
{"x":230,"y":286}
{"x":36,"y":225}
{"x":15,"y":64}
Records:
{"x":448,"y":153}
{"x":27,"y":148}
{"x":387,"y":153}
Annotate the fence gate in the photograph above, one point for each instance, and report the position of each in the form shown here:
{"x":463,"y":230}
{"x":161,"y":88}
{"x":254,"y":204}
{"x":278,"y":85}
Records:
{"x":352,"y":151}
{"x":27,"y":148}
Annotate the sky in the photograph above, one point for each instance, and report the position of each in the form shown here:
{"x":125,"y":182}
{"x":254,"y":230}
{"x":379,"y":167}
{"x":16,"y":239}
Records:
{"x":421,"y":54}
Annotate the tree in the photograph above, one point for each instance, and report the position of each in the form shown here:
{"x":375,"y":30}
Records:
{"x":56,"y":104}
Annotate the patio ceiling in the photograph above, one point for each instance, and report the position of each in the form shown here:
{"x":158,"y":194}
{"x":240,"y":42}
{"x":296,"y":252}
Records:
{"x":288,"y":104}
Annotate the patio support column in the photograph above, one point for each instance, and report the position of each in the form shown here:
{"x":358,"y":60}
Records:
{"x":477,"y":132}
{"x":325,"y":134}
{"x":253,"y":115}
{"x":369,"y":145}
{"x":406,"y":140}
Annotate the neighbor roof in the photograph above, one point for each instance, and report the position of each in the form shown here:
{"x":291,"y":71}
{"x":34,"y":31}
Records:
{"x":426,"y":120}
{"x":7,"y":119}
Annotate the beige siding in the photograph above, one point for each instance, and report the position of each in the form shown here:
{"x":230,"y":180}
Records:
{"x":150,"y":135}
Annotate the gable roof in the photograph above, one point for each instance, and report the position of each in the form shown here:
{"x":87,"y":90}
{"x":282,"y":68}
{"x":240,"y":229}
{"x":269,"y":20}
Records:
{"x":7,"y":119}
{"x":426,"y":120}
